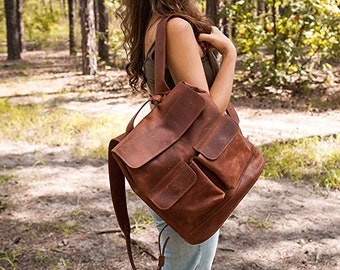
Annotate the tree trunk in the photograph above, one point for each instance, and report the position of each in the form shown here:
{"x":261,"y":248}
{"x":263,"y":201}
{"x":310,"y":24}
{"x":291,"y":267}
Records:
{"x":260,"y":7}
{"x":229,"y":23}
{"x":51,"y":6}
{"x":21,"y":26}
{"x":88,"y":32}
{"x":13,"y":30}
{"x":211,"y":10}
{"x":95,"y":10}
{"x":103,"y":27}
{"x":72,"y":28}
{"x":63,"y":4}
{"x":274,"y":16}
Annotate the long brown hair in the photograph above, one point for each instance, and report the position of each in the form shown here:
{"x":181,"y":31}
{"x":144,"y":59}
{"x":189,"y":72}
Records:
{"x":136,"y":15}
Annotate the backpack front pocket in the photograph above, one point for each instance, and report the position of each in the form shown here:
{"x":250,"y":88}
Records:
{"x":182,"y":190}
{"x":223,"y":153}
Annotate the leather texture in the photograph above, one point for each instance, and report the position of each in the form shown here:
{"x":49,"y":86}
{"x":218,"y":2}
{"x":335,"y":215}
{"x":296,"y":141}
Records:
{"x":187,"y":161}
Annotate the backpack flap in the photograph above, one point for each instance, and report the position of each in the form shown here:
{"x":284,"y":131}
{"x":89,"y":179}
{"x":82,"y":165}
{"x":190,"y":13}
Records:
{"x":162,"y":127}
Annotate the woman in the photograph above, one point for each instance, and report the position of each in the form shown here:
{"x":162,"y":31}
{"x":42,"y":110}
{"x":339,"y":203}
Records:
{"x":189,"y":35}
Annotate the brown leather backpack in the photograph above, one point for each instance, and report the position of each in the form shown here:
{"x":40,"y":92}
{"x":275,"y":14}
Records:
{"x":185,"y":160}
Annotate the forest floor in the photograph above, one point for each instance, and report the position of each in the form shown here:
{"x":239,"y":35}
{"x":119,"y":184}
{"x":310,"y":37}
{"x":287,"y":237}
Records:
{"x":55,"y":207}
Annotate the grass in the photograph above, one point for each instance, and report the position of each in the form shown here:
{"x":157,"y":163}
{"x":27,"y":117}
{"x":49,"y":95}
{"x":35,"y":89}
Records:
{"x":45,"y":258}
{"x":8,"y":258}
{"x":259,"y":223}
{"x":6,"y":176}
{"x":70,"y":222}
{"x":314,"y":159}
{"x":3,"y":204}
{"x":66,"y":227}
{"x":40,"y":124}
{"x":141,"y":218}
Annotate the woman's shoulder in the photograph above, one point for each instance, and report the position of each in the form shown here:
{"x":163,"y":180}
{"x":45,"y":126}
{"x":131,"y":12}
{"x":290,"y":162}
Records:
{"x":181,"y":37}
{"x":178,"y":25}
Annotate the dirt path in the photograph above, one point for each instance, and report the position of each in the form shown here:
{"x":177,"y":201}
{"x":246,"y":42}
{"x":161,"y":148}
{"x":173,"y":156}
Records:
{"x":56,"y":211}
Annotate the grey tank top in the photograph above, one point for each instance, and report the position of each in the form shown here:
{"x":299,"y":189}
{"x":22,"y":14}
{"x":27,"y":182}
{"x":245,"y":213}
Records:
{"x":149,"y":70}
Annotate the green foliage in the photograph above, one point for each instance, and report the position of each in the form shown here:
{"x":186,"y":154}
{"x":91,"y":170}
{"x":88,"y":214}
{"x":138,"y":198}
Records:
{"x":116,"y":45}
{"x":310,"y":159}
{"x":42,"y":24}
{"x":38,"y":21}
{"x":283,"y":45}
{"x":201,"y":4}
{"x":116,"y":35}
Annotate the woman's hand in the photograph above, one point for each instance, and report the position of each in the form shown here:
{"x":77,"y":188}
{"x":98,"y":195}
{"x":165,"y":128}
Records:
{"x":219,"y":41}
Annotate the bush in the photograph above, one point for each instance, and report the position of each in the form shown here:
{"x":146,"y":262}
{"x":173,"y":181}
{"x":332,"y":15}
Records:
{"x":285,"y":42}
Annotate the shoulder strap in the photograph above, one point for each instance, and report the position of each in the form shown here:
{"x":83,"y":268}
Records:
{"x":117,"y":186}
{"x":160,"y":57}
{"x":160,"y":60}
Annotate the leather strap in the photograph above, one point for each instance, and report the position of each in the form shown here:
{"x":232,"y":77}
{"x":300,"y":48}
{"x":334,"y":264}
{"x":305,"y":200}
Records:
{"x":130,"y":125}
{"x":160,"y":57}
{"x":161,"y":86}
{"x":117,"y":186}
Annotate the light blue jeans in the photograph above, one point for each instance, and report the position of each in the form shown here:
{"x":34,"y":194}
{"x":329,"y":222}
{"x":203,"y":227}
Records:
{"x":179,"y":254}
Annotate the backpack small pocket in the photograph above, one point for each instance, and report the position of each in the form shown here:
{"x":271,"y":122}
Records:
{"x":223,"y":153}
{"x":182,"y":190}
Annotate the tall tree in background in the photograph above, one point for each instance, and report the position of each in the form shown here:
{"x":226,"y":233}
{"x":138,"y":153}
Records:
{"x":260,"y":7}
{"x":274,"y":9}
{"x":63,"y":3}
{"x":88,"y":33}
{"x":51,"y":6}
{"x":21,"y":26}
{"x":50,"y":3}
{"x":103,"y":30}
{"x":72,"y":28}
{"x":233,"y":28}
{"x":13,"y":30}
{"x":211,"y":10}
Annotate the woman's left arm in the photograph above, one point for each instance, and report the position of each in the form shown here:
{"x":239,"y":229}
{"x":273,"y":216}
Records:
{"x":221,"y":89}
